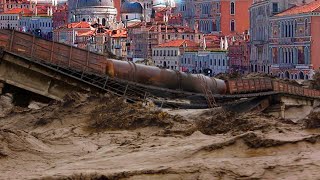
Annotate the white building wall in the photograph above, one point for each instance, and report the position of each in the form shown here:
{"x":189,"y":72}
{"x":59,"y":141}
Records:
{"x":197,"y":62}
{"x":130,"y":18}
{"x":9,"y":21}
{"x":30,"y":24}
{"x":167,"y":57}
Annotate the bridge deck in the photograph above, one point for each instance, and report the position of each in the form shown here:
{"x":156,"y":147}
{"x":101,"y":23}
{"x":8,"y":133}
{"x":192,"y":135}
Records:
{"x":68,"y":60}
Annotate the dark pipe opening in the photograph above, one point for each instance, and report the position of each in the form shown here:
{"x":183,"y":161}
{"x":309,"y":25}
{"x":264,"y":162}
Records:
{"x":22,"y":97}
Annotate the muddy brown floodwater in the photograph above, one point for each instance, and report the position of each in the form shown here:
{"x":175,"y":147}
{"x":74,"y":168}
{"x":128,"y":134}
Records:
{"x":102,"y":137}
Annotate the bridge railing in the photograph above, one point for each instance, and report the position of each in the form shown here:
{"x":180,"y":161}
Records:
{"x":50,"y":51}
{"x":67,"y":58}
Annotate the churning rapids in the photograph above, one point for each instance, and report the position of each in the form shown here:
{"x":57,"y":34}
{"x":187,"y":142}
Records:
{"x":102,"y":137}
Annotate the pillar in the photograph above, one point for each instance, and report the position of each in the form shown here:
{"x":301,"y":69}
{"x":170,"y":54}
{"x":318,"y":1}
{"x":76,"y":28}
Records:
{"x":282,"y":110}
{"x":1,"y":87}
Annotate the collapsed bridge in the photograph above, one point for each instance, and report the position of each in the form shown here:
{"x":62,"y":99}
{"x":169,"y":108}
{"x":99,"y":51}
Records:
{"x":54,"y":69}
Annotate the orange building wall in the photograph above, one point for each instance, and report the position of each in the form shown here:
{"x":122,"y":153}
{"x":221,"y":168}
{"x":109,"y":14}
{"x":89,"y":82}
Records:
{"x":117,"y":5}
{"x":315,"y":44}
{"x":241,"y":16}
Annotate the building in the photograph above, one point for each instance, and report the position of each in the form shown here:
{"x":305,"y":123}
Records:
{"x":38,"y":25}
{"x":131,"y":13}
{"x":234,"y":16}
{"x":67,"y":34}
{"x":10,"y":19}
{"x":210,"y":62}
{"x":239,"y":53}
{"x":60,"y":15}
{"x":167,"y":55}
{"x":203,"y":15}
{"x":117,"y":43}
{"x":209,"y":58}
{"x":99,"y":11}
{"x":260,"y":13}
{"x":142,"y":37}
{"x":295,"y":42}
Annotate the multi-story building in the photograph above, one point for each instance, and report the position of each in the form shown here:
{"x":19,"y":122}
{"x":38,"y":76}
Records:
{"x":100,"y":11}
{"x":67,"y":34}
{"x":202,"y":15}
{"x":239,"y":53}
{"x":167,"y":55}
{"x":260,"y":13}
{"x":60,"y":15}
{"x":10,"y":19}
{"x":226,"y":17}
{"x":294,"y":47}
{"x":131,"y":13}
{"x":235,"y":16}
{"x":117,"y":43}
{"x":208,"y":57}
{"x":142,"y":37}
{"x":210,"y":62}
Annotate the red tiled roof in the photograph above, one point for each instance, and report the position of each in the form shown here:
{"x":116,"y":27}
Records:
{"x":18,"y":11}
{"x":301,"y":9}
{"x":179,"y":43}
{"x":81,"y":24}
{"x":86,"y":33}
{"x":120,"y":34}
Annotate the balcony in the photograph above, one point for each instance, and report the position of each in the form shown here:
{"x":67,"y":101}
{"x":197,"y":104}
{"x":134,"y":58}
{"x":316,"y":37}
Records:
{"x":302,"y":66}
{"x":258,"y":42}
{"x":117,"y":46}
{"x":286,"y":66}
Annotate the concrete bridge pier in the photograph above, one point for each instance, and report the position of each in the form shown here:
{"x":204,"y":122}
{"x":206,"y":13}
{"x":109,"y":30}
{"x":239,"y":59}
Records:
{"x":292,"y":107}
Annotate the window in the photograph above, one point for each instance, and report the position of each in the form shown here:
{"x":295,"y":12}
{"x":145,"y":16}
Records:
{"x":306,"y":26}
{"x":127,"y":17}
{"x":232,"y":25}
{"x":232,"y":8}
{"x":275,"y":8}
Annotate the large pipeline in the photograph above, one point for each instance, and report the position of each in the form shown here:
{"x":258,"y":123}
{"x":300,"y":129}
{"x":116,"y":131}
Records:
{"x":164,"y":78}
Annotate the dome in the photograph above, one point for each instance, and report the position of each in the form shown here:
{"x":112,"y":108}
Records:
{"x":93,"y":3}
{"x":131,"y":7}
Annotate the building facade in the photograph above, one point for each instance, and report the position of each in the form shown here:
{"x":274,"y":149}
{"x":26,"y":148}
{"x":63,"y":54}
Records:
{"x":235,"y":16}
{"x":60,"y":15}
{"x":67,"y":34}
{"x":239,"y":54}
{"x":99,"y":11}
{"x":167,"y":55}
{"x":209,"y":62}
{"x":204,"y":15}
{"x":142,"y":37}
{"x":131,"y":13}
{"x":260,"y":13}
{"x":10,"y":19}
{"x":295,"y":42}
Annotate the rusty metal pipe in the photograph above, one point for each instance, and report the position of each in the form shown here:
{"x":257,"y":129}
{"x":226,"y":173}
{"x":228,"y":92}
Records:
{"x":164,"y":78}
